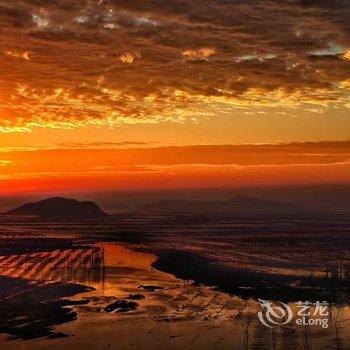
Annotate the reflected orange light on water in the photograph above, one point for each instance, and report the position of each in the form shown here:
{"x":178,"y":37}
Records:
{"x":118,"y":256}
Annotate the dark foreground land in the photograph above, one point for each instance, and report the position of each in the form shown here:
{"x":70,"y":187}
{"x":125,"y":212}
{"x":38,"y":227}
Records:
{"x":141,"y":281}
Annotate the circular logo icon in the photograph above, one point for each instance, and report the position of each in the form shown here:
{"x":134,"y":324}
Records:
{"x":273,"y":314}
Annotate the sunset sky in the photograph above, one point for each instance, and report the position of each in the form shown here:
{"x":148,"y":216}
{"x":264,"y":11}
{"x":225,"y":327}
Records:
{"x":108,"y":94}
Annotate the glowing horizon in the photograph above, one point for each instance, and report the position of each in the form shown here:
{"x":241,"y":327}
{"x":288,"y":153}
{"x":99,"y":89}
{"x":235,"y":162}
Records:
{"x":174,"y":167}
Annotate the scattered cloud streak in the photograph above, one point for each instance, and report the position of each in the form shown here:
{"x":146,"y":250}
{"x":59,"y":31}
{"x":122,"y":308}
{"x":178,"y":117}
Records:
{"x":4,"y":162}
{"x":200,"y":54}
{"x":104,"y":144}
{"x":23,"y":55}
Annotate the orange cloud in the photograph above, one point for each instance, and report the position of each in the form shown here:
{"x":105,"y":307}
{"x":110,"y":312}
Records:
{"x":77,"y":80}
{"x":23,"y":55}
{"x":129,"y":57}
{"x":200,"y":54}
{"x":346,"y":55}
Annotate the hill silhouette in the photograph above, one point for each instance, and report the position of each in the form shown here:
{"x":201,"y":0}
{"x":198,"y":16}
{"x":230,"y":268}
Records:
{"x":60,"y":208}
{"x":239,"y":205}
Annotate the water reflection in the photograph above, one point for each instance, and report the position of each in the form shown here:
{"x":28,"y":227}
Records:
{"x":83,"y":265}
{"x":121,"y":256}
{"x":116,"y":271}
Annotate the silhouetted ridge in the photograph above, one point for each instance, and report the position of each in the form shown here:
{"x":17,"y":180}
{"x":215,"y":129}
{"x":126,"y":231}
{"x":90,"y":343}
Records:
{"x":239,"y":205}
{"x":60,"y":208}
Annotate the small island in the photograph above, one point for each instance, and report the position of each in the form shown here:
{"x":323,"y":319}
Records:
{"x":58,"y":208}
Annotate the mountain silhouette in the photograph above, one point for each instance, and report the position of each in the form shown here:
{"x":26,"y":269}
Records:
{"x":239,"y":205}
{"x":60,"y":208}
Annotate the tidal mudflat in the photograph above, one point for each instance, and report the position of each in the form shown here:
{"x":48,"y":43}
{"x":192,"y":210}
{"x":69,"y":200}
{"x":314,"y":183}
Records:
{"x":88,"y":286}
